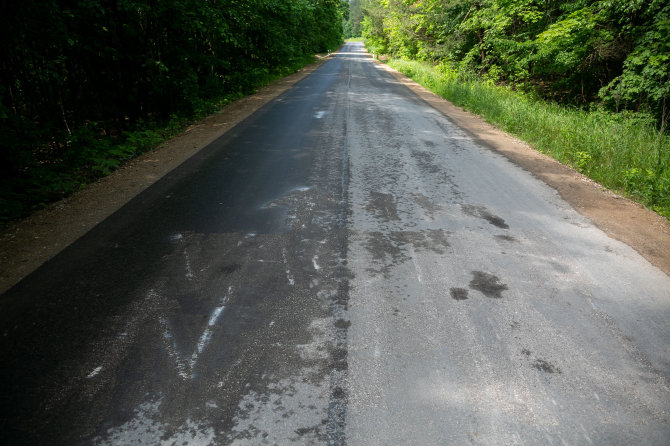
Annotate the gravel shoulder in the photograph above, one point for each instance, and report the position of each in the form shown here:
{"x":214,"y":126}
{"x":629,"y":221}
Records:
{"x":27,"y":244}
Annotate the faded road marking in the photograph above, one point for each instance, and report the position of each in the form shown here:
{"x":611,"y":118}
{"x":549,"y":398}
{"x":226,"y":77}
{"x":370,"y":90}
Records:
{"x":186,"y":369}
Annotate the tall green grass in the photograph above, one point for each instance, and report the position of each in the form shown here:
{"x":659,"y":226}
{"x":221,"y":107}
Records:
{"x":625,"y":153}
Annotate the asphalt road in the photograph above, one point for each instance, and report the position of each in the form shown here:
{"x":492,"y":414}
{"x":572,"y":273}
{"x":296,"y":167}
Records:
{"x":346,"y":266}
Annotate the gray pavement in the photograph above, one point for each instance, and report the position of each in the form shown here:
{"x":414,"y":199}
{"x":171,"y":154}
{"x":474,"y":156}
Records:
{"x":485,"y":310}
{"x":346,"y":266}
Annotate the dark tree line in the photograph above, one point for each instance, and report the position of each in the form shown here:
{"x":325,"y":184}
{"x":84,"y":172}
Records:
{"x":80,"y":79}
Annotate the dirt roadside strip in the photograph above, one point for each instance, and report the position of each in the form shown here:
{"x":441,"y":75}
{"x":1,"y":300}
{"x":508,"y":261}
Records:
{"x":27,"y":244}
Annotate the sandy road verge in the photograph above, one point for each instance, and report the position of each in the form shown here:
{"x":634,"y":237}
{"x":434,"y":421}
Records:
{"x":28,"y":243}
{"x":620,"y":218}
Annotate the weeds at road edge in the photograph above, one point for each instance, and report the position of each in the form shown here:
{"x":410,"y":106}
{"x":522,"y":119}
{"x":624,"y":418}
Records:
{"x":624,"y":152}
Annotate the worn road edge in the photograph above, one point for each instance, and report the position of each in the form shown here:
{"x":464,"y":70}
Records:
{"x":620,"y":218}
{"x":26,"y":244}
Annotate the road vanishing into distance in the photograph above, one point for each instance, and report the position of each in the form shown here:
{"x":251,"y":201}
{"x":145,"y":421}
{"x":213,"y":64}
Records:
{"x":346,"y":266}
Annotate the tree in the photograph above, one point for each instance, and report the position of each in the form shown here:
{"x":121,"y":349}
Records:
{"x":573,"y":51}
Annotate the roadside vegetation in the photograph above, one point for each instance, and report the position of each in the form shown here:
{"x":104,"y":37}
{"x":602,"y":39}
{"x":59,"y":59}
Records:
{"x":86,"y":85}
{"x":585,"y":81}
{"x":623,"y":151}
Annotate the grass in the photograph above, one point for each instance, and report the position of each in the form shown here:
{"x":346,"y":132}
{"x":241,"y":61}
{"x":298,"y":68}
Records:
{"x":623,"y":152}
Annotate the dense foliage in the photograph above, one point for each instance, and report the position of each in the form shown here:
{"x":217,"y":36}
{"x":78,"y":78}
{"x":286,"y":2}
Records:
{"x":354,"y":20}
{"x":83,"y":82}
{"x":615,"y":53}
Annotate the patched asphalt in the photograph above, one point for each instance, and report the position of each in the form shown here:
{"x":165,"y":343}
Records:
{"x":345,"y":266}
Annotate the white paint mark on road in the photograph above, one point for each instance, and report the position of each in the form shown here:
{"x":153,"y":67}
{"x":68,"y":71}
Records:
{"x":319,"y":114}
{"x":419,"y":275}
{"x":206,"y":336}
{"x":289,"y":276}
{"x":95,"y":371}
{"x":590,"y":301}
{"x":171,"y":347}
{"x":187,"y":260}
{"x":585,"y":434}
{"x":316,"y":265}
{"x":178,"y":238}
{"x":186,"y":369}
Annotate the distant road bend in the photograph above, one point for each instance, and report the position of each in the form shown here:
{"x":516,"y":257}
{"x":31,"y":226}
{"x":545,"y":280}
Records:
{"x":346,"y":266}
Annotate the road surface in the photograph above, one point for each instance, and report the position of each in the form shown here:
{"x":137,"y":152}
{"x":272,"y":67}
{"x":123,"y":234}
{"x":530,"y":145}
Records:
{"x":346,"y":266}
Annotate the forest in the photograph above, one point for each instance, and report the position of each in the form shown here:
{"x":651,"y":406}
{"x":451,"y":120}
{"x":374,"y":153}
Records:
{"x":612,"y":52}
{"x":88,"y":84}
